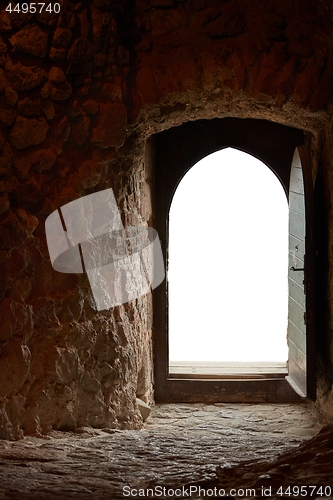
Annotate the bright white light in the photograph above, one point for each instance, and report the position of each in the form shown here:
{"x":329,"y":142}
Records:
{"x":228,"y":262}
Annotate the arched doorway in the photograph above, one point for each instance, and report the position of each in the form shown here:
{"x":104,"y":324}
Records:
{"x":227,"y":268}
{"x":176,"y":151}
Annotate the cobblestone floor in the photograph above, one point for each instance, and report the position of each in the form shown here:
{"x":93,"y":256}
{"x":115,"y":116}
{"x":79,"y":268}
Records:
{"x":180,"y":445}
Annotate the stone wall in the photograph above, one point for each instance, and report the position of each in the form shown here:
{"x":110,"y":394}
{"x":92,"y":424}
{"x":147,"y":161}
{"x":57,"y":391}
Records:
{"x":80,"y":94}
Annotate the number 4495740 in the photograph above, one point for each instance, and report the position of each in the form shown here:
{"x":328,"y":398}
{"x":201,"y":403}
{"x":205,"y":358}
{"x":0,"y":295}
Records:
{"x":32,"y":8}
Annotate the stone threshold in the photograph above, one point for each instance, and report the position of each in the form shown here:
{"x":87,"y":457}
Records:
{"x":215,"y":369}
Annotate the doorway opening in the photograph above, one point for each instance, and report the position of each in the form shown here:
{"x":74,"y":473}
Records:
{"x":227,"y":269}
{"x":286,"y":152}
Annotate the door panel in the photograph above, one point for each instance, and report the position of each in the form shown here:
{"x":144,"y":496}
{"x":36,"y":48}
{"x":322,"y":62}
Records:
{"x":297,"y":337}
{"x":293,"y":242}
{"x":297,"y":227}
{"x":297,"y":201}
{"x":297,"y":363}
{"x":298,"y":276}
{"x":296,"y":315}
{"x":297,"y":293}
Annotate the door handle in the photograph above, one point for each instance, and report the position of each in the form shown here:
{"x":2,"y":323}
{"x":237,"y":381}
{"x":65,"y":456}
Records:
{"x":297,"y":268}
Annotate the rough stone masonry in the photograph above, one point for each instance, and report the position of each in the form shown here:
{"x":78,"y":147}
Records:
{"x":81,"y":93}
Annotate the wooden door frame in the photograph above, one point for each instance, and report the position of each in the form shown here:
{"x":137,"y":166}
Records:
{"x":176,"y":151}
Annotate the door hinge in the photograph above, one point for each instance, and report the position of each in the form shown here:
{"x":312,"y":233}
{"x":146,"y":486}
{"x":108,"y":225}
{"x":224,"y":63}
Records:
{"x":304,"y":317}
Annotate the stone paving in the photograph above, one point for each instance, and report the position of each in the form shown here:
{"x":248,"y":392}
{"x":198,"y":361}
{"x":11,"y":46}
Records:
{"x":180,"y":445}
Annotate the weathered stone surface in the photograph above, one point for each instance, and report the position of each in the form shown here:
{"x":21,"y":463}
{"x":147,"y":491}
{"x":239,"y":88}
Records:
{"x":15,"y":359}
{"x":48,"y":110}
{"x":119,"y":72}
{"x":3,"y":80}
{"x":91,"y":107}
{"x":11,"y":96}
{"x":45,"y":91}
{"x":7,"y":117}
{"x":29,"y":107}
{"x":144,"y":408}
{"x":3,"y":51}
{"x":146,"y":85}
{"x":73,"y":109}
{"x":47,"y":18}
{"x":226,"y":26}
{"x":165,"y":22}
{"x":62,"y":37}
{"x":56,"y":75}
{"x":41,"y":160}
{"x":308,"y":464}
{"x":84,"y":88}
{"x":16,"y":318}
{"x":30,"y":41}
{"x":24,"y":77}
{"x":6,"y":159}
{"x":4,"y":203}
{"x":179,"y":445}
{"x":110,"y":128}
{"x":61,"y":129}
{"x":80,"y":130}
{"x":162,"y":3}
{"x":60,"y":91}
{"x":57,"y":54}
{"x":80,"y":57}
{"x":28,"y":132}
{"x":123,"y":56}
{"x":99,"y":60}
{"x":5,"y":22}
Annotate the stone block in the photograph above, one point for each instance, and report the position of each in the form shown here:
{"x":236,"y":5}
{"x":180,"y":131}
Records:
{"x":91,"y":107}
{"x":56,"y":75}
{"x":62,"y":37}
{"x":24,"y":77}
{"x":31,"y":40}
{"x":28,"y":132}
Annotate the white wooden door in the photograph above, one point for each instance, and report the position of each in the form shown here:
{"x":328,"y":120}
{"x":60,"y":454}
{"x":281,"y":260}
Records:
{"x":297,"y":362}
